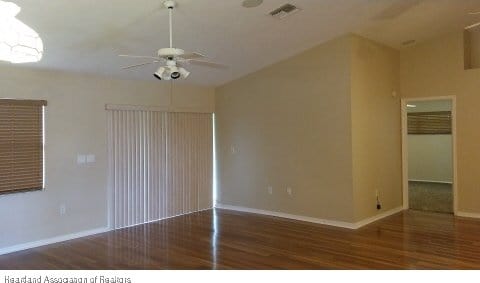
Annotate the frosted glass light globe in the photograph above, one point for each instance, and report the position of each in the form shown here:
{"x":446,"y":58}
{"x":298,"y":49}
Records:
{"x":18,"y":42}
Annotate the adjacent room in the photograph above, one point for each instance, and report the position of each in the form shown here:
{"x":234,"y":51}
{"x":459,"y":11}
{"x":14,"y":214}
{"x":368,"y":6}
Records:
{"x":240,"y":134}
{"x":430,"y":160}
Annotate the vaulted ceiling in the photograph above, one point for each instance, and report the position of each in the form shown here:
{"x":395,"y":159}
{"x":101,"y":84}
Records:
{"x":87,"y":35}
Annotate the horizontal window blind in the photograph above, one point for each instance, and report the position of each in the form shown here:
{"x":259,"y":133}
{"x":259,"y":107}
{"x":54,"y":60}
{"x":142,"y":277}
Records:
{"x":21,"y":145}
{"x":430,"y":123}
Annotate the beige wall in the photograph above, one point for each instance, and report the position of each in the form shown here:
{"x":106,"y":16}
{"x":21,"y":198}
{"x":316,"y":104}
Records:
{"x":472,"y":48}
{"x":436,"y":68}
{"x":76,"y":123}
{"x":324,"y":123}
{"x":430,"y":158}
{"x":289,"y":125}
{"x":376,"y":128}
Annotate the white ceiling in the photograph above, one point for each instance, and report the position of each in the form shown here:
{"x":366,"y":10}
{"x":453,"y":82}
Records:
{"x":87,"y":35}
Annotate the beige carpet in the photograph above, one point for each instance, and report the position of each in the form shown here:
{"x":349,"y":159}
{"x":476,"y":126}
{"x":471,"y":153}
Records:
{"x":436,"y":197}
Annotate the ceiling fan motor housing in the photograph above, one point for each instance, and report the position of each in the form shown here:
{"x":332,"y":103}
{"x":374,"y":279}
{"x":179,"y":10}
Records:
{"x":170,"y":52}
{"x":171,"y":70}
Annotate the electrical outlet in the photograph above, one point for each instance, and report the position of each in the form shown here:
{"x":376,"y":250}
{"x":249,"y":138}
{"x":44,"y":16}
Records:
{"x":63,"y":209}
{"x":270,"y":190}
{"x":289,"y":191}
{"x":379,"y":205}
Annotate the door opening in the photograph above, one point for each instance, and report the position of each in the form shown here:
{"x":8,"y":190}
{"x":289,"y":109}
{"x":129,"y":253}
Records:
{"x":429,"y":154}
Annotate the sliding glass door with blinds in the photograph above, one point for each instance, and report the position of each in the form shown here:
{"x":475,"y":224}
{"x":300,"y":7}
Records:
{"x":160,"y":164}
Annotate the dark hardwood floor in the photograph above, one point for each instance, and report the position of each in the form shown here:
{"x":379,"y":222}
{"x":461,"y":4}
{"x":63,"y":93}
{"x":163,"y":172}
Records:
{"x":225,"y":239}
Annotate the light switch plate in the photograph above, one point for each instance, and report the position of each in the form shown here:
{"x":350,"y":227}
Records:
{"x":90,"y":158}
{"x":289,"y":191}
{"x":81,"y":159}
{"x":270,"y":190}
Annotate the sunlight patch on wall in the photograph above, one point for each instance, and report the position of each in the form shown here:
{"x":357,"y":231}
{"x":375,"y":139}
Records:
{"x":18,"y":42}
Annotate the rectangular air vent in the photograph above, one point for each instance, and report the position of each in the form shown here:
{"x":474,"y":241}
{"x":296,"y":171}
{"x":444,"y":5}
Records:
{"x":284,"y":11}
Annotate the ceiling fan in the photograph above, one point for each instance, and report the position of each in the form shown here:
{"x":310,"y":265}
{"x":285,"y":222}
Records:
{"x":171,"y":58}
{"x":475,"y":24}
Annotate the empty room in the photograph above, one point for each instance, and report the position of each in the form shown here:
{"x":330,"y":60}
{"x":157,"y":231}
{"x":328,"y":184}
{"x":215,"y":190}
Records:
{"x":239,"y":135}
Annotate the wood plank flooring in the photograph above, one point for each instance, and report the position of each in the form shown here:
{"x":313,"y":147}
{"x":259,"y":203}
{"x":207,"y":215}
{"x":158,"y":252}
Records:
{"x":225,"y":239}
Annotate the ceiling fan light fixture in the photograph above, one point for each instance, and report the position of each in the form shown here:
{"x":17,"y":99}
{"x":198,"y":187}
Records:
{"x":184,"y":72}
{"x":170,"y":56}
{"x":160,"y":74}
{"x":174,"y":73}
{"x":166,"y":73}
{"x":18,"y":42}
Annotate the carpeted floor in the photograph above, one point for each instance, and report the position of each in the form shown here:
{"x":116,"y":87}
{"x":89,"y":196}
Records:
{"x":436,"y":197}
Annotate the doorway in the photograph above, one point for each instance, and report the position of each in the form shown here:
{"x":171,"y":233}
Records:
{"x":429,"y":154}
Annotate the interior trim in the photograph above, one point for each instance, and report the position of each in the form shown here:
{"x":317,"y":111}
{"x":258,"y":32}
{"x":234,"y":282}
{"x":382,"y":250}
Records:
{"x":53,"y":240}
{"x":468,"y":214}
{"x":342,"y":224}
{"x":155,"y":108}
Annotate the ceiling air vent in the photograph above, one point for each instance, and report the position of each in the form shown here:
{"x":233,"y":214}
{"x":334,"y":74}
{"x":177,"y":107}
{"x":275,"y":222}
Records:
{"x":284,"y":11}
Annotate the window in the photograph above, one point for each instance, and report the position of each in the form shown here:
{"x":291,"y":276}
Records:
{"x":430,"y":123}
{"x":21,"y":145}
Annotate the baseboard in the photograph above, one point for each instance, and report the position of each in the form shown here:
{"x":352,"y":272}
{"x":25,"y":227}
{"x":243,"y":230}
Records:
{"x":53,"y":240}
{"x":81,"y":234}
{"x":377,"y":217}
{"x":468,"y":214}
{"x":161,"y":219}
{"x":342,"y":224}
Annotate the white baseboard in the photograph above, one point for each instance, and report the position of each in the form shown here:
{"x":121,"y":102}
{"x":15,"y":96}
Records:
{"x":286,"y":215}
{"x":468,"y":214}
{"x":377,"y":217}
{"x":342,"y":224}
{"x":81,"y":234}
{"x":53,"y":240}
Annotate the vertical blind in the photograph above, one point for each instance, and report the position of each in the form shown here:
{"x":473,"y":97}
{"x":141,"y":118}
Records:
{"x":21,"y":145}
{"x":160,"y":164}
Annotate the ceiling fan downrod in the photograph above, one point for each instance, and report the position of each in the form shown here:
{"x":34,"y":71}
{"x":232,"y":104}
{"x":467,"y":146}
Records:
{"x":170,"y":5}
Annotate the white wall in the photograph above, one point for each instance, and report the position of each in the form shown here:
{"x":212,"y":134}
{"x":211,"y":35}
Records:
{"x":76,"y":123}
{"x":430,"y":158}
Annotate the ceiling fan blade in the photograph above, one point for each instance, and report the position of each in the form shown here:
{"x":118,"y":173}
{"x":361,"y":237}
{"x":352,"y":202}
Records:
{"x":474,"y":13}
{"x":473,"y":26}
{"x":193,"y":55}
{"x":139,"y":56}
{"x":207,"y":64}
{"x":138,"y":65}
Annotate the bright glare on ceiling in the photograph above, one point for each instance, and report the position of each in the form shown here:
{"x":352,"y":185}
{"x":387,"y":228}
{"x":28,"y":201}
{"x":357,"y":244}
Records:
{"x":18,"y":42}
